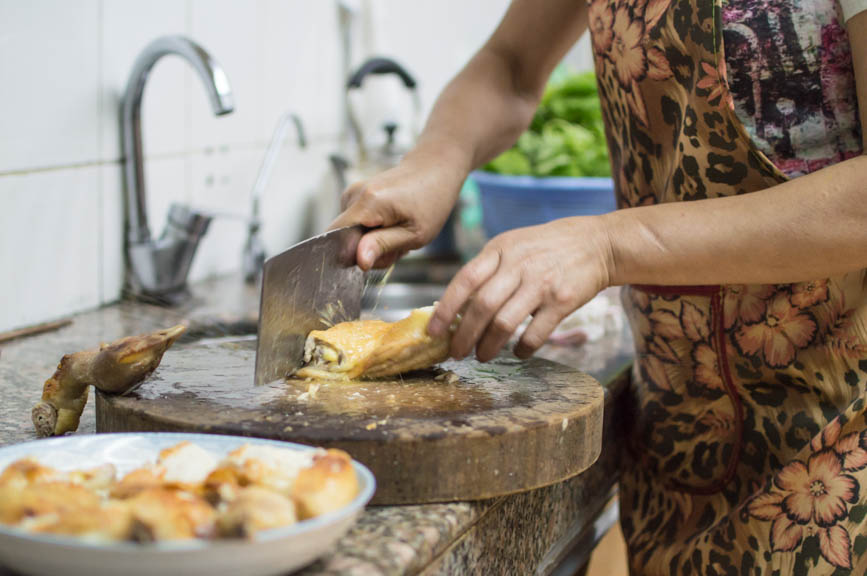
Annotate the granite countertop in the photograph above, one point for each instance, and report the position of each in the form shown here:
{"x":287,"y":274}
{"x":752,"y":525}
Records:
{"x":529,"y":532}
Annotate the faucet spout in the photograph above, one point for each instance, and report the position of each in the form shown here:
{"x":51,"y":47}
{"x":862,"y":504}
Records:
{"x":148,"y":259}
{"x":222,"y":101}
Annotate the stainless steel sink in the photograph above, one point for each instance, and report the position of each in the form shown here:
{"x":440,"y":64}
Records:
{"x":394,"y":301}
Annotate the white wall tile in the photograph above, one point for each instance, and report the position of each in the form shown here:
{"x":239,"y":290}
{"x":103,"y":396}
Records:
{"x":111,"y":241}
{"x":49,"y":70}
{"x":127,"y":27}
{"x":433,"y":39}
{"x":49,"y":245}
{"x":221,"y":183}
{"x":228,"y":30}
{"x":167,"y":182}
{"x":301,"y":183}
{"x":301,"y":64}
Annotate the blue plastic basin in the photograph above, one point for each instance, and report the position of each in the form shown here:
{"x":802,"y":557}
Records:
{"x":516,"y":201}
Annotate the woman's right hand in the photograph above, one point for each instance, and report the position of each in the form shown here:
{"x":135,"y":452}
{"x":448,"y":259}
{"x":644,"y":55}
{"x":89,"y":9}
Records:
{"x":479,"y":114}
{"x":405,"y":207}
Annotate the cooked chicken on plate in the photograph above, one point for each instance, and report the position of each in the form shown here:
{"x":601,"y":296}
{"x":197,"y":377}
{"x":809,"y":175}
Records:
{"x":187,"y":493}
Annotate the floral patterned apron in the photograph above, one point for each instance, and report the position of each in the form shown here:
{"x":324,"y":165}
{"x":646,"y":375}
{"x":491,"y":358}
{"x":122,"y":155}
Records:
{"x":749,"y":445}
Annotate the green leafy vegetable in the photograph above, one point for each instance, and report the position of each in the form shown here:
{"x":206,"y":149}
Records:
{"x":566,"y":136}
{"x":511,"y":162}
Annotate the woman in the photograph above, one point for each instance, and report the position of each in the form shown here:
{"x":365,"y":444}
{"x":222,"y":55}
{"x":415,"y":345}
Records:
{"x":742,"y":239}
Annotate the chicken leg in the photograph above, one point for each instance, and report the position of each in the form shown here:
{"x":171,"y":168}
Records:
{"x":114,"y":368}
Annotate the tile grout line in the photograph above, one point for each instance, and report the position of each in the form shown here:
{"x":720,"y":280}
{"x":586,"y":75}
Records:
{"x":100,"y":109}
{"x":220,"y":149}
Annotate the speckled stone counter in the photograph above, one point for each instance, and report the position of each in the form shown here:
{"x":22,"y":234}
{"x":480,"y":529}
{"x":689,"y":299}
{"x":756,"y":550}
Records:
{"x":532,"y":532}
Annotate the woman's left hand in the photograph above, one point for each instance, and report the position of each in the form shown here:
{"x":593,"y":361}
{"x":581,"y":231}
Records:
{"x":546,"y":271}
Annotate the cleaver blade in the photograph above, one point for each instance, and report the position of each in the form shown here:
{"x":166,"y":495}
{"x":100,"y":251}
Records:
{"x":312,"y":285}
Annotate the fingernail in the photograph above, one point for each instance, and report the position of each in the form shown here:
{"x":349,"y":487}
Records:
{"x":367,"y":257}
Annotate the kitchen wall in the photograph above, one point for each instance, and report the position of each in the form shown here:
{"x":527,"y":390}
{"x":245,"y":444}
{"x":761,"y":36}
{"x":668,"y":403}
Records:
{"x":64,"y":65}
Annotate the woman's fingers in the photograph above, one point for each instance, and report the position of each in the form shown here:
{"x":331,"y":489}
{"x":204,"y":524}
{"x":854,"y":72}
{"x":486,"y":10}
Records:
{"x":506,"y":321}
{"x":547,"y":270}
{"x":380,"y":243}
{"x":482,"y":308}
{"x":543,"y":323}
{"x":387,"y":260}
{"x":475,"y":273}
{"x":349,"y":195}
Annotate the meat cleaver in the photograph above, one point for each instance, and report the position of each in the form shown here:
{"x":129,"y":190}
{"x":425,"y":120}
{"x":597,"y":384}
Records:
{"x":310,"y":286}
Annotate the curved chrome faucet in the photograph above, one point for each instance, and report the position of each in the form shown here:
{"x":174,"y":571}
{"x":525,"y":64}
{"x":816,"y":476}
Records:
{"x":158,"y":268}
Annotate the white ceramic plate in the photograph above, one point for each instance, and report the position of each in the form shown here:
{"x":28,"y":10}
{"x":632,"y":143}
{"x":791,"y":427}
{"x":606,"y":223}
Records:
{"x":277,"y":551}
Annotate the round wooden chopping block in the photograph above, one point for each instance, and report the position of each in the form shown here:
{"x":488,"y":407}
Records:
{"x":498,"y":428}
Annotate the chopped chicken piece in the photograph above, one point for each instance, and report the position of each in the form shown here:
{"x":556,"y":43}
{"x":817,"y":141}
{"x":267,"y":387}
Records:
{"x":137,"y":481}
{"x":327,"y":485}
{"x":184,"y":466}
{"x":341,"y":352}
{"x":57,"y":499}
{"x":162,"y":514}
{"x":186,"y":463}
{"x":27,"y":472}
{"x":373,"y":348}
{"x":110,"y":522}
{"x":268,"y":466}
{"x":224,"y":483}
{"x":255,"y":509}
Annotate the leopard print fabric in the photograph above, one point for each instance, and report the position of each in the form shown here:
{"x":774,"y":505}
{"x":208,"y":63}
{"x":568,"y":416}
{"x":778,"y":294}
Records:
{"x":749,"y":437}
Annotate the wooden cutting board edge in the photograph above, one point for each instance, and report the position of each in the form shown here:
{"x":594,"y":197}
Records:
{"x":559,"y":452}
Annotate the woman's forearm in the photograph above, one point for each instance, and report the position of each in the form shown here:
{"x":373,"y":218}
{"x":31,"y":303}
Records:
{"x":491,"y":101}
{"x":812,"y":227}
{"x":478,"y":115}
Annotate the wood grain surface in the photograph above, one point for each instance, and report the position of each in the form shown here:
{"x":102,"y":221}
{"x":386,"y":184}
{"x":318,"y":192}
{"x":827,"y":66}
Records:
{"x":497,"y":428}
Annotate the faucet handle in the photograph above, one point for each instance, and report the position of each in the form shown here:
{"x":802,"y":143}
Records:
{"x":187,"y":221}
